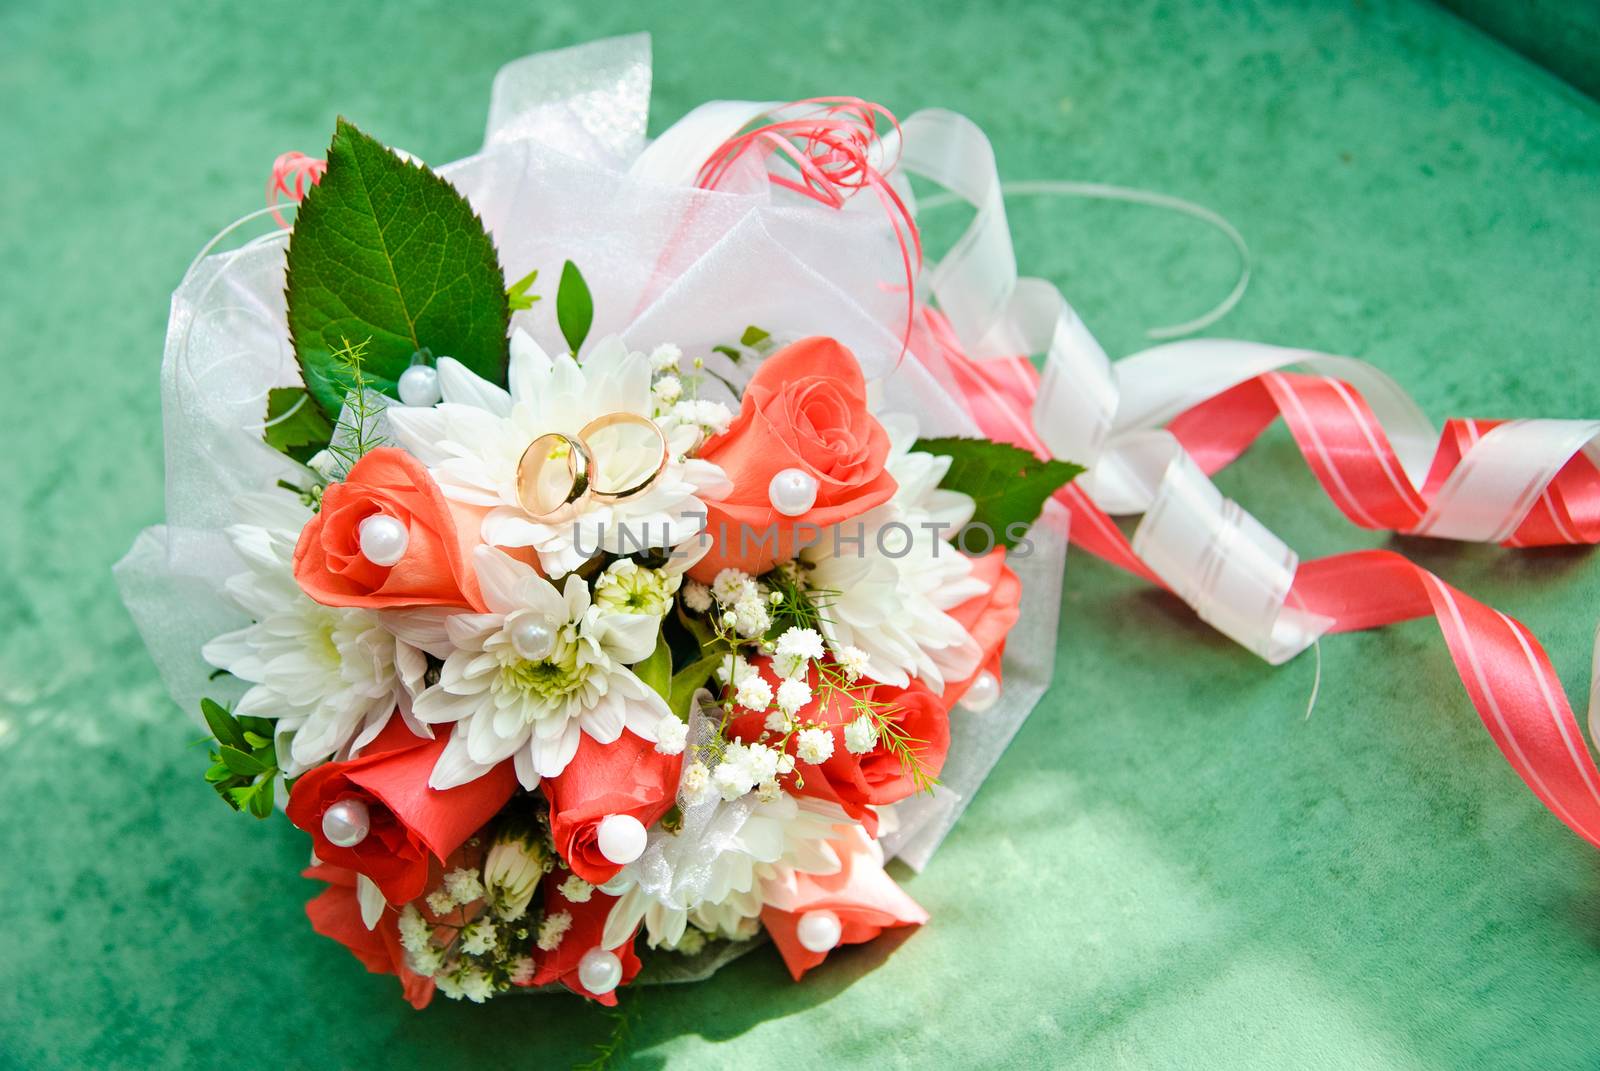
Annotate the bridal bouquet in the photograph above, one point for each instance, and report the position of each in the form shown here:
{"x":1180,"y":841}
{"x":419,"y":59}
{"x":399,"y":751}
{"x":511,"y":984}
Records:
{"x":611,"y":552}
{"x":561,"y":570}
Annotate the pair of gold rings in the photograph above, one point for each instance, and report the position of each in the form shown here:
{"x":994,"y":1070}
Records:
{"x":556,"y":473}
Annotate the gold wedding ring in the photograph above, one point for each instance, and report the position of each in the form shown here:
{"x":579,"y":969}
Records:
{"x":651,"y":452}
{"x":553,"y":476}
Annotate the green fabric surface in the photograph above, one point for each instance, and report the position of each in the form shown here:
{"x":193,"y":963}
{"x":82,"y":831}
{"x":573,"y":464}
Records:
{"x":1172,"y":866}
{"x":1562,"y":36}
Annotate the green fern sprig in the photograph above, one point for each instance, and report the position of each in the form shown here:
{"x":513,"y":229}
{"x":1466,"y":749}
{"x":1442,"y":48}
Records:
{"x":611,"y":1050}
{"x":354,"y":434}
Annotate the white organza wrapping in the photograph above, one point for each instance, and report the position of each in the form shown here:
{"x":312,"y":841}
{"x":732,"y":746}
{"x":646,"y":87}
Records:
{"x":665,"y":262}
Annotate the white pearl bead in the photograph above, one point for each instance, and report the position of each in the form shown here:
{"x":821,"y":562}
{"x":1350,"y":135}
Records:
{"x":819,"y":931}
{"x":983,"y":693}
{"x":419,"y":385}
{"x":621,"y":837}
{"x":346,"y":823}
{"x":533,"y":638}
{"x":599,"y":971}
{"x":792,"y":492}
{"x":383,"y":539}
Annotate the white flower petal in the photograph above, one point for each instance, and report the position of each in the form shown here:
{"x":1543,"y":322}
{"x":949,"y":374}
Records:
{"x":460,"y":386}
{"x":454,"y":768}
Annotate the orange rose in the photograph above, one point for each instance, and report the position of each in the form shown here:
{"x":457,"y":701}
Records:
{"x":864,"y":899}
{"x":805,"y":409}
{"x":628,"y":776}
{"x":436,"y":569}
{"x":336,"y":913}
{"x":988,"y":617}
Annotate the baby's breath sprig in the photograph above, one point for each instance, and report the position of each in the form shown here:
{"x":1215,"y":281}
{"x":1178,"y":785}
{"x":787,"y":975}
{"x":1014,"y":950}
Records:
{"x":907,"y":749}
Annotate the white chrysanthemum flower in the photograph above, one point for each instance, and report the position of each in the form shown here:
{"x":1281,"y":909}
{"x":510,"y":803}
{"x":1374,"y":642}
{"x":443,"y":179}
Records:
{"x":511,"y":872}
{"x":813,"y":745}
{"x":506,"y":705}
{"x":793,"y":694}
{"x":861,"y":735}
{"x":627,"y":587}
{"x":473,"y":440}
{"x":576,"y":890}
{"x":552,"y":928}
{"x":332,"y":676}
{"x":788,"y":832}
{"x":888,"y":593}
{"x":753,"y":693}
{"x":672,"y":736}
{"x":691,"y":943}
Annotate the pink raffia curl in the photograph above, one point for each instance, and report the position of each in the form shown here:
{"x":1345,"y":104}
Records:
{"x":293,"y":175}
{"x":824,"y":148}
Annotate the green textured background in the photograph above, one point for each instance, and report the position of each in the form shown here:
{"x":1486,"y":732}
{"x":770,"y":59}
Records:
{"x":1172,"y":866}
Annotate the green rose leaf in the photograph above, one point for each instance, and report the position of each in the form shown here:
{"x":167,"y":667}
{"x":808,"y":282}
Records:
{"x":574,"y":306}
{"x":1008,"y":484}
{"x":295,"y":425}
{"x":386,"y":251}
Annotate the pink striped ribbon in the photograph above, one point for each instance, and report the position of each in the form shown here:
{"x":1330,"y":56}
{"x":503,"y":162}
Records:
{"x":1506,"y":672}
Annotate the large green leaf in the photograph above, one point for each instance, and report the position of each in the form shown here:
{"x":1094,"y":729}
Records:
{"x":1008,"y":484}
{"x":295,"y":425}
{"x":386,"y":251}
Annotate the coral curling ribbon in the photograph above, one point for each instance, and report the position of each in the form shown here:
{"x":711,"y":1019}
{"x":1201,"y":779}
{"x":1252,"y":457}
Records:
{"x":1505,"y":670}
{"x":835,"y":151}
{"x":1350,"y":454}
{"x":293,"y":174}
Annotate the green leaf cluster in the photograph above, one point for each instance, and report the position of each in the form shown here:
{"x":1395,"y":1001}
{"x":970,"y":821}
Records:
{"x":1008,"y":485}
{"x":244,"y":765}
